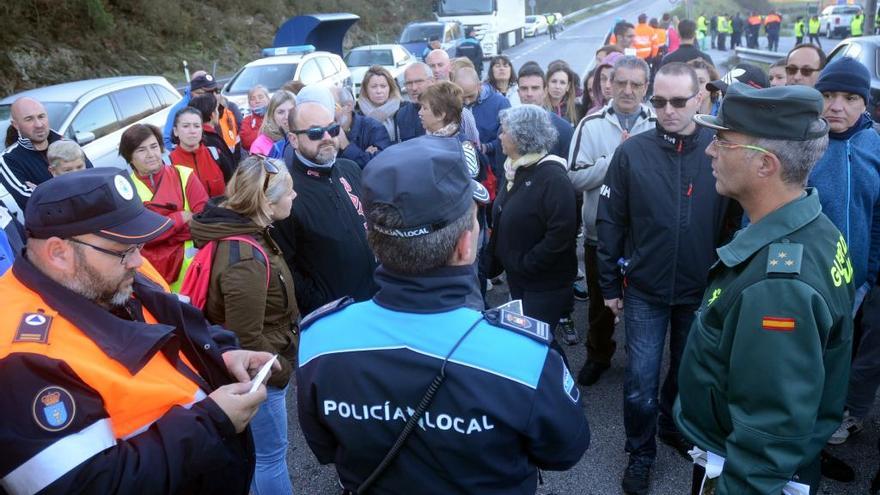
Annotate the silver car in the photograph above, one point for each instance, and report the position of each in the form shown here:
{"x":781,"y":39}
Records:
{"x":96,"y":112}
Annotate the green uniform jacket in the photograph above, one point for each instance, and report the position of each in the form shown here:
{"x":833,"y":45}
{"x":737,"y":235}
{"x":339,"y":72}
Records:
{"x":855,"y":26}
{"x":799,"y":29}
{"x":764,"y":374}
{"x":814,"y":26}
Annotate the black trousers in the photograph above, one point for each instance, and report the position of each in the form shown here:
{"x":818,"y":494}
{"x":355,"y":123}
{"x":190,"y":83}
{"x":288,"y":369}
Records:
{"x":814,"y":39}
{"x":600,"y":332}
{"x":547,"y":305}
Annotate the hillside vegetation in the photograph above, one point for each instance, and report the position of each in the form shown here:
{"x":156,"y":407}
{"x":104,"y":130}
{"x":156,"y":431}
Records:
{"x":51,"y":41}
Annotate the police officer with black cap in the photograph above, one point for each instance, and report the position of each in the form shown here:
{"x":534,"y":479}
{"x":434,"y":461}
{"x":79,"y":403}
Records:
{"x":763,"y":377}
{"x":416,"y":389}
{"x":110,"y":384}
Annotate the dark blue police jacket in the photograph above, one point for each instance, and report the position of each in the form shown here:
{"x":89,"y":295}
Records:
{"x":407,"y":122}
{"x":508,"y":406}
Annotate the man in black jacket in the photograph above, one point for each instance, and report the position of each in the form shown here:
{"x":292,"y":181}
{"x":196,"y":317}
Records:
{"x":324,"y":239}
{"x":659,"y":221}
{"x":688,"y":50}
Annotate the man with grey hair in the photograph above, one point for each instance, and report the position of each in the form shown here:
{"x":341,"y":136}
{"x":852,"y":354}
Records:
{"x":362,"y":137}
{"x":763,"y":377}
{"x":65,"y":156}
{"x":324,"y":239}
{"x":416,"y":78}
{"x":438,"y":61}
{"x":597,"y":136}
{"x":659,"y":222}
{"x":504,"y":404}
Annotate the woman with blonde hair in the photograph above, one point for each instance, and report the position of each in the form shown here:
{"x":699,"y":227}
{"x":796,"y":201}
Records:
{"x":380,"y":98}
{"x":251,"y":292}
{"x":562,"y":83}
{"x":273,"y":134}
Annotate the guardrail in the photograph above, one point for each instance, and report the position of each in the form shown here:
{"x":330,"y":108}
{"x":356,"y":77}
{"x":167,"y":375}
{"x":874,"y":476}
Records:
{"x":591,"y":7}
{"x":757,"y":56}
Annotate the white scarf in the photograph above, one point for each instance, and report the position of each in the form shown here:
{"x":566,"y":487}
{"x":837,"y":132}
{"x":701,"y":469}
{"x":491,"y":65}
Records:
{"x":527,"y":160}
{"x":384,"y":113}
{"x":448,"y":130}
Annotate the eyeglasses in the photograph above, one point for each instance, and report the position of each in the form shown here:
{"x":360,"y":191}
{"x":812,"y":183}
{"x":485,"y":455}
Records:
{"x":317,"y":133}
{"x":805,"y":71}
{"x":659,"y":102}
{"x":623,"y":84}
{"x":271,"y":169}
{"x":732,"y":146}
{"x":122,"y":255}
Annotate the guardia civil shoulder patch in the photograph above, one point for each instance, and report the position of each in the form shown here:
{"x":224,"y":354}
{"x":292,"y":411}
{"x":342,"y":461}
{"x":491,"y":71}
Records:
{"x":33,"y":327}
{"x":777,"y":324}
{"x":54,"y":408}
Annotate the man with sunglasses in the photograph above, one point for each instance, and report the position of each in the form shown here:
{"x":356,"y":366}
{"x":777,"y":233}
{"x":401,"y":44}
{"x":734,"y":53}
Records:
{"x":112,"y":385}
{"x":764,"y":374}
{"x":324,"y":239}
{"x":803,"y":64}
{"x":597,"y":136}
{"x":659,"y":221}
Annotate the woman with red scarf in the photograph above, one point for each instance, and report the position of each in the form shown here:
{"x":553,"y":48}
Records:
{"x":174,"y":192}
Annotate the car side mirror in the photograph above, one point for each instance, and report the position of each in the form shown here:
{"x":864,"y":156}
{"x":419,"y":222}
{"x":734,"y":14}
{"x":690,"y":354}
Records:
{"x":84,"y":138}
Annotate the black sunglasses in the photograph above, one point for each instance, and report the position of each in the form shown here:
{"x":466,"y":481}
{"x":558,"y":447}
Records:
{"x":805,"y":71}
{"x":317,"y":133}
{"x":660,"y":102}
{"x":271,"y":169}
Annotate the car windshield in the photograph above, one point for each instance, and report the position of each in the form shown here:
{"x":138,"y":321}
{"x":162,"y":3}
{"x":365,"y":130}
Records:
{"x":420,"y":32}
{"x":847,"y":10}
{"x":366,"y":58}
{"x":531,"y":18}
{"x":271,"y":76}
{"x":465,"y":7}
{"x":57,"y":112}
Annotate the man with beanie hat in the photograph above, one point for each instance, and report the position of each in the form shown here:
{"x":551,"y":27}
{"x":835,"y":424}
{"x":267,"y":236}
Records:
{"x":848,"y":180}
{"x":762,"y":377}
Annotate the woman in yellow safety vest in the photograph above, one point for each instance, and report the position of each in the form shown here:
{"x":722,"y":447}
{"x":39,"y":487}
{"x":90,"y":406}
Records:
{"x":174,"y":192}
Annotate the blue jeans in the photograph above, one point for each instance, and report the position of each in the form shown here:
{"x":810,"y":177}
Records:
{"x":269,"y":428}
{"x":646,"y":325}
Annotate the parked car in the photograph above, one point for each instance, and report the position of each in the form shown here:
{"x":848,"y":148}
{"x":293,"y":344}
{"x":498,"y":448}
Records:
{"x":415,"y":36}
{"x":96,"y":112}
{"x":536,"y":25}
{"x":865,"y":49}
{"x":300,"y":63}
{"x":835,"y":19}
{"x":395,"y":58}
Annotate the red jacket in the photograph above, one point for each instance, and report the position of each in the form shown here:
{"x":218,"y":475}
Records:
{"x":205,"y":166}
{"x":166,"y":252}
{"x":250,"y":129}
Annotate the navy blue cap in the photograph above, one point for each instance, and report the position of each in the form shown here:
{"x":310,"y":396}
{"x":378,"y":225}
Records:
{"x":428,"y":180}
{"x":100,"y":201}
{"x":745,"y":73}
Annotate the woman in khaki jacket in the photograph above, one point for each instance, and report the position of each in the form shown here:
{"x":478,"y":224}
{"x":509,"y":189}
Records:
{"x":263,"y":315}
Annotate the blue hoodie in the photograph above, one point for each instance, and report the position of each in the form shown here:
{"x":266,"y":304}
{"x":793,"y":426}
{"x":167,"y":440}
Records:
{"x":848,"y":179}
{"x":486,"y":109}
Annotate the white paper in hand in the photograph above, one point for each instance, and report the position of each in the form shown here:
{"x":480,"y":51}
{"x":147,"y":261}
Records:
{"x":262,"y":374}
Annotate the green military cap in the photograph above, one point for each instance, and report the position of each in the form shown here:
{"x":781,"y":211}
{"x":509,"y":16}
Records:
{"x":787,"y":113}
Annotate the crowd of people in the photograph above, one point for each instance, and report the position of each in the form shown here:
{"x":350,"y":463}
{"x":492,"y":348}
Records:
{"x":351,"y":243}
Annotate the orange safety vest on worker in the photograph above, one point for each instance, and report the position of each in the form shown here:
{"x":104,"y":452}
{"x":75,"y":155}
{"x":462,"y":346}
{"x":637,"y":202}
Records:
{"x":771,"y":18}
{"x":661,"y":36}
{"x":754,"y":20}
{"x":119,"y":402}
{"x":645,"y":41}
{"x":229,"y":129}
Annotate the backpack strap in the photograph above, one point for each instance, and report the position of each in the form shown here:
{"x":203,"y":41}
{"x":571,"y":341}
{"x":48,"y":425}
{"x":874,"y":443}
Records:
{"x":259,"y":253}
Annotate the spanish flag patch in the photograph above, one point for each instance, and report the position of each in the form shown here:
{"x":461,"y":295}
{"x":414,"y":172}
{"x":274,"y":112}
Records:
{"x":777,"y":324}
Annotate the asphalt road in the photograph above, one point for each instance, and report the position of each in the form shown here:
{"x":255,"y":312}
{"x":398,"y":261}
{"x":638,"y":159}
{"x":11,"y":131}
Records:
{"x":600,"y":469}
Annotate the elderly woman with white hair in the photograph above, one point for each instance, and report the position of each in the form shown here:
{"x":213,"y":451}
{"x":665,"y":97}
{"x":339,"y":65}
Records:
{"x":535,"y":217}
{"x":65,"y":156}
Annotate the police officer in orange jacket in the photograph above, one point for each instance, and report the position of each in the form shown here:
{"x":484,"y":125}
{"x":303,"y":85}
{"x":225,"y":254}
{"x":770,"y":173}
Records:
{"x":110,"y":384}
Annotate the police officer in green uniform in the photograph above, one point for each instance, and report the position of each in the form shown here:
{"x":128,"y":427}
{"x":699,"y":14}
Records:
{"x":763,"y":377}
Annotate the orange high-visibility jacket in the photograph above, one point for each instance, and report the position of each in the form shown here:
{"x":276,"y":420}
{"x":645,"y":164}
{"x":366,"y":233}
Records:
{"x":645,"y":41}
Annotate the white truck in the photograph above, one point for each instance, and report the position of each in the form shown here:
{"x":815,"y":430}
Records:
{"x":499,"y":24}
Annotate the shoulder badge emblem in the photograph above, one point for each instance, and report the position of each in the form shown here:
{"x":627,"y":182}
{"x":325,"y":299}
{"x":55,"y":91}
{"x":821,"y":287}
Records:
{"x":33,"y":327}
{"x":54,"y":408}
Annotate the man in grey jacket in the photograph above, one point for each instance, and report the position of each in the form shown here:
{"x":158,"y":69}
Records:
{"x":596,"y":138}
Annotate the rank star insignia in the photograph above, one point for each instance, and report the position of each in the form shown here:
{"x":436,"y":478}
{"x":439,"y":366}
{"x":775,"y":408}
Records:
{"x":789,"y":262}
{"x":774,"y":262}
{"x":782,"y":254}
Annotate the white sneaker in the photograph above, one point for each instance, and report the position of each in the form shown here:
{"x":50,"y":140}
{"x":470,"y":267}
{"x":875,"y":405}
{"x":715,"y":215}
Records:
{"x":850,"y":426}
